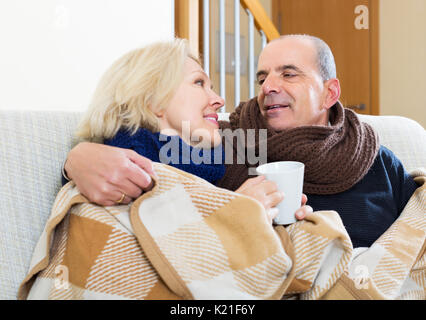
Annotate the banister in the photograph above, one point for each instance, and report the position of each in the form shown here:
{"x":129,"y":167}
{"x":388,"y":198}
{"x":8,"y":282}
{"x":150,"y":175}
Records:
{"x":261,"y":19}
{"x":187,"y":25}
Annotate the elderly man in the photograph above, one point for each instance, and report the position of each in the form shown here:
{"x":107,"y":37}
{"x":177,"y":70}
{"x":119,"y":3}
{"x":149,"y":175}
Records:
{"x":346,"y":169}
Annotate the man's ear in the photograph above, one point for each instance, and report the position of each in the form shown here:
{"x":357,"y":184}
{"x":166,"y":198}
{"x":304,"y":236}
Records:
{"x":332,"y":87}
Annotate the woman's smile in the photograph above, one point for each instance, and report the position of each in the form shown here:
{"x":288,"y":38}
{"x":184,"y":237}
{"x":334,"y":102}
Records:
{"x":212,"y":117}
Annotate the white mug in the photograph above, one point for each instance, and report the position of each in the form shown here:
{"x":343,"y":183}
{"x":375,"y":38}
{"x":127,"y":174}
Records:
{"x":288,"y":175}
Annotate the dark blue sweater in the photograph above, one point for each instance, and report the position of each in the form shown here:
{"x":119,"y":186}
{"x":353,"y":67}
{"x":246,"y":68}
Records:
{"x":172,"y":150}
{"x":370,"y":207}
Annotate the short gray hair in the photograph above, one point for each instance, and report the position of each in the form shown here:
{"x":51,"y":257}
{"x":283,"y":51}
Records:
{"x":325,"y":59}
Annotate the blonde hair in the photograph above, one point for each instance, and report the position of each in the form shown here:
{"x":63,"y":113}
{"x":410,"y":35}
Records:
{"x":136,"y":86}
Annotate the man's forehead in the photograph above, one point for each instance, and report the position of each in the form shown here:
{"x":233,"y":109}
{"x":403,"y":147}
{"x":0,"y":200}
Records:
{"x":287,"y":51}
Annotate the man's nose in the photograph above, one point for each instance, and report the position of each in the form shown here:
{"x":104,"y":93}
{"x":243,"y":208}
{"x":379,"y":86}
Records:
{"x":270,"y":85}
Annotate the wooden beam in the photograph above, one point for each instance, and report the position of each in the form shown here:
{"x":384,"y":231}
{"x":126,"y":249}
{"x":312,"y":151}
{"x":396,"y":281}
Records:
{"x":375,"y":58}
{"x":187,"y":23}
{"x":261,"y":19}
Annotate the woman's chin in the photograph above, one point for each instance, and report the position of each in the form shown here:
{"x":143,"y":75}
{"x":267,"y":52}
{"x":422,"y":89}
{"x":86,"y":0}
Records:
{"x":215,"y":140}
{"x":207,"y":142}
{"x":205,"y":138}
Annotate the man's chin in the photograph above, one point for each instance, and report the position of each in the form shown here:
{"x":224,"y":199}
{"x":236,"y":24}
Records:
{"x":280,"y":124}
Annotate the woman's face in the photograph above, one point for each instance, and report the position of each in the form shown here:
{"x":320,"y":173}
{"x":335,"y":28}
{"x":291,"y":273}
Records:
{"x":192,"y":112}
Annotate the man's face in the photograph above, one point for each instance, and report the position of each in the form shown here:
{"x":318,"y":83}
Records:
{"x":292,"y":92}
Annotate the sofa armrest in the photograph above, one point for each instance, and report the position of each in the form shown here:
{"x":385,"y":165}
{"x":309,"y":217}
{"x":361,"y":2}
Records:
{"x":405,"y":137}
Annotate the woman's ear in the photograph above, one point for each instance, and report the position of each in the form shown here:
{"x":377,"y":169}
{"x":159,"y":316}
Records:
{"x":332,"y":87}
{"x":159,"y":113}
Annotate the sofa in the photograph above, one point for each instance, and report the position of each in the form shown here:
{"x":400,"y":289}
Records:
{"x":34,"y":145}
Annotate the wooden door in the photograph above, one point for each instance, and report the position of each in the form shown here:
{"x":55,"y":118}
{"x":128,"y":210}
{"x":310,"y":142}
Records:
{"x":350,"y":29}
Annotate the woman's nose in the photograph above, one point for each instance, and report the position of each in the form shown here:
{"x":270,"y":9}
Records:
{"x":217,"y":101}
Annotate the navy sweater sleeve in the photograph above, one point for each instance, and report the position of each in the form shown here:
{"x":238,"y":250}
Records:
{"x":372,"y":205}
{"x":64,"y":181}
{"x":403,"y":185}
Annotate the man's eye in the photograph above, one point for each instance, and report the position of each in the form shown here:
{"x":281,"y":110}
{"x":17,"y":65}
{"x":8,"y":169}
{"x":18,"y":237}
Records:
{"x":288,"y":75}
{"x":260,"y":81}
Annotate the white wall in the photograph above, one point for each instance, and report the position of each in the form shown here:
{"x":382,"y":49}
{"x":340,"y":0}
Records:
{"x":53,"y":52}
{"x":403,"y":59}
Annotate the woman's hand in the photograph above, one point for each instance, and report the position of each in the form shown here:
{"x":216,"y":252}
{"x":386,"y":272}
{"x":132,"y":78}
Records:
{"x":267,"y":193}
{"x":103,"y":173}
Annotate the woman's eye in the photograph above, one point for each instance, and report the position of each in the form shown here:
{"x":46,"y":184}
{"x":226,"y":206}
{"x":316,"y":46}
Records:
{"x":199,"y":82}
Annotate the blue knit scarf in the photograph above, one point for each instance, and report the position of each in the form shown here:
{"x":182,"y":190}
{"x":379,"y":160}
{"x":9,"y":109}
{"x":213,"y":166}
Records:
{"x":172,"y":150}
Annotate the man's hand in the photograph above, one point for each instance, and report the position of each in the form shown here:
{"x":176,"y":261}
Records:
{"x":267,"y":193}
{"x":103,"y":173}
{"x":304,"y":210}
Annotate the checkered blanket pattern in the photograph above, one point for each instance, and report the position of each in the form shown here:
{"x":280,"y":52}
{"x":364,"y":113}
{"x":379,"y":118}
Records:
{"x":187,"y":239}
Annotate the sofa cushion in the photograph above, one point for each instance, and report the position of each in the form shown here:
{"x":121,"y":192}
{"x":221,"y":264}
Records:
{"x":33,"y":146}
{"x":405,"y":137}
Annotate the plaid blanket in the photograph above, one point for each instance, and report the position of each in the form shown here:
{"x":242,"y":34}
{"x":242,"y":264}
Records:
{"x":394,"y":267}
{"x":187,"y":239}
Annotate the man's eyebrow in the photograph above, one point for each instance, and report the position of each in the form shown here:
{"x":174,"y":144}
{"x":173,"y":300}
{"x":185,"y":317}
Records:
{"x":288,"y":66}
{"x":261,"y":73}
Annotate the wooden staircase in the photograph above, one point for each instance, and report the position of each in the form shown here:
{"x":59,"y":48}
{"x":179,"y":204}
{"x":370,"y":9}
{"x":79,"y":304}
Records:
{"x":193,"y":20}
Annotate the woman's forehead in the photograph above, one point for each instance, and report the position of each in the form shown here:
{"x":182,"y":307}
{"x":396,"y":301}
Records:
{"x":192,"y":66}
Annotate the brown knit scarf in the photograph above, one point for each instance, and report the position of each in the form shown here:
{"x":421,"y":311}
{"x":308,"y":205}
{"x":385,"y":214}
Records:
{"x":336,"y":157}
